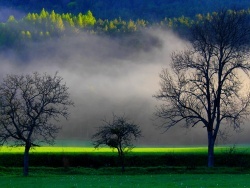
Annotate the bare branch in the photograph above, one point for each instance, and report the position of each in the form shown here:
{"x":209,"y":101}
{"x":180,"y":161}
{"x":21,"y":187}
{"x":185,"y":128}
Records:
{"x":28,"y":103}
{"x":203,"y":85}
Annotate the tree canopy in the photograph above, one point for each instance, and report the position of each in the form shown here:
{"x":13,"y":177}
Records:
{"x":117,"y":134}
{"x":46,"y":25}
{"x":30,"y":107}
{"x":203,"y":86}
{"x":151,"y":10}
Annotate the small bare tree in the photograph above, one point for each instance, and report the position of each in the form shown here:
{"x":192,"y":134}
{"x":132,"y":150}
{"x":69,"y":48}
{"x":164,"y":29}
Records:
{"x":202,"y":86}
{"x":117,"y":134}
{"x":28,"y":103}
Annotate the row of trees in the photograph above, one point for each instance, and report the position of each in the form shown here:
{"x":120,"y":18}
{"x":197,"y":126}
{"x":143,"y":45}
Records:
{"x":153,"y":10}
{"x":46,"y":20}
{"x":45,"y":25}
{"x":41,"y":26}
{"x":202,"y":88}
{"x":30,"y":104}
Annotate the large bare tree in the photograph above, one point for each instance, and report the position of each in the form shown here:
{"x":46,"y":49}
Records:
{"x":203,"y":86}
{"x":30,"y":107}
{"x":117,"y":134}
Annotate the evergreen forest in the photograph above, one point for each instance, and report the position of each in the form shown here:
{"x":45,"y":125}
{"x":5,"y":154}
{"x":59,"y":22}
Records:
{"x":153,"y":10}
{"x":32,"y":20}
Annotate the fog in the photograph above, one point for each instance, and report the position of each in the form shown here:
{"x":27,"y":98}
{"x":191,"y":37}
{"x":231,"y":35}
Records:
{"x":108,"y":76}
{"x":6,"y":12}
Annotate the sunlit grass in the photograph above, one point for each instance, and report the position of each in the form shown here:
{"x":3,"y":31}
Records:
{"x":56,"y":149}
{"x":47,"y":149}
{"x":51,"y":149}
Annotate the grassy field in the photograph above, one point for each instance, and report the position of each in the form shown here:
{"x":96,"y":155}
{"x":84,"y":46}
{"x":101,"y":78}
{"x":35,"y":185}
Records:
{"x":167,"y":180}
{"x":61,"y":156}
{"x":48,"y":149}
{"x":161,"y":176}
{"x":56,"y":149}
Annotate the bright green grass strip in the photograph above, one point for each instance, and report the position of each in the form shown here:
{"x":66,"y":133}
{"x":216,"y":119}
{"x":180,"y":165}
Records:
{"x":52,"y":149}
{"x":103,"y":181}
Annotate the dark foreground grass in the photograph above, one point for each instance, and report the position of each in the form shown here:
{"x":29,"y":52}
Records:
{"x":160,"y":180}
{"x":133,"y":177}
{"x":45,"y":171}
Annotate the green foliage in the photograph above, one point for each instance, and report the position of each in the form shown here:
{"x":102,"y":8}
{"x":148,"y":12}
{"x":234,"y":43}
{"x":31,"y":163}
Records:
{"x":11,"y":19}
{"x":45,"y":25}
{"x":153,"y":10}
{"x":42,"y":26}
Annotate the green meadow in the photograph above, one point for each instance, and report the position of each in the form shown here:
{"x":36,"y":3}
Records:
{"x":180,"y":167}
{"x":133,"y":177}
{"x":168,"y":180}
{"x":56,"y":149}
{"x":89,"y":157}
{"x":144,"y":150}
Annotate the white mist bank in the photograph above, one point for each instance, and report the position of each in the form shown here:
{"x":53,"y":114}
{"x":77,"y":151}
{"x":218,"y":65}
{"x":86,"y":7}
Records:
{"x":105,"y":77}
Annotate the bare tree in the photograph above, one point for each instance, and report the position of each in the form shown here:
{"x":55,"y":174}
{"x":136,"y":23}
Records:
{"x":28,"y":103}
{"x":117,"y":134}
{"x":203,"y":85}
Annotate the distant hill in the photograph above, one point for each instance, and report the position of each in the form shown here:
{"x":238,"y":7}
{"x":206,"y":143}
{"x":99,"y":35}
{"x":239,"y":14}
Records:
{"x":22,"y":21}
{"x":151,"y":10}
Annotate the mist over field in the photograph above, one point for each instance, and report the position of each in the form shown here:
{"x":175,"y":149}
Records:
{"x":108,"y":76}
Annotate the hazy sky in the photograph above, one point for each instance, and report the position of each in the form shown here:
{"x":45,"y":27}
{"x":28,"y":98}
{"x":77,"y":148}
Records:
{"x":108,"y":76}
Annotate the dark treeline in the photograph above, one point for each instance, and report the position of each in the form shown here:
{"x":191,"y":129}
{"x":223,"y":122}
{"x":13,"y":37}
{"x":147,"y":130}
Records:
{"x":150,"y":10}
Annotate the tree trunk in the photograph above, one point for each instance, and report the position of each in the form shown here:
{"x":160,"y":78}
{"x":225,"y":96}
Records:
{"x":26,"y":160}
{"x":121,"y":158}
{"x":210,"y":149}
{"x":122,"y":163}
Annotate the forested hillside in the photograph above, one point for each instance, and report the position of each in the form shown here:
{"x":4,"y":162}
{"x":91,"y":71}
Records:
{"x":46,"y":25}
{"x":150,"y":10}
{"x":33,"y":20}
